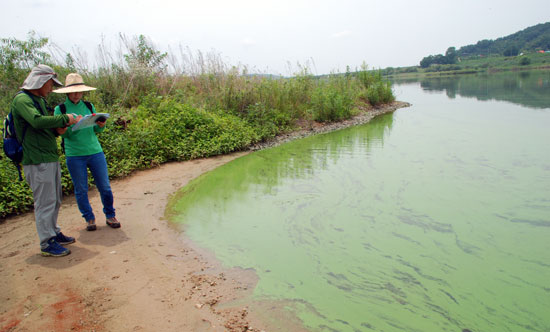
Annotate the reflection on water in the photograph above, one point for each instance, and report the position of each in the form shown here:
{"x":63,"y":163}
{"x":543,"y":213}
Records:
{"x":271,"y":168}
{"x":527,"y":88}
{"x":434,"y":218}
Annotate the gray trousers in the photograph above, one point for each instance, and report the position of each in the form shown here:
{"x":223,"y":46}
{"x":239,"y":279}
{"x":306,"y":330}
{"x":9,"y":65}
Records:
{"x":45,"y":182}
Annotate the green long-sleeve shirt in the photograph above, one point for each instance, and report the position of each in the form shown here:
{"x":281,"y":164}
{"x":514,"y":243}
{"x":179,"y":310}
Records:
{"x":82,"y":142}
{"x":39,"y":142}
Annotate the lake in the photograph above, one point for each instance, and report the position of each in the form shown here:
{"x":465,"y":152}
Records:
{"x":433,"y":218}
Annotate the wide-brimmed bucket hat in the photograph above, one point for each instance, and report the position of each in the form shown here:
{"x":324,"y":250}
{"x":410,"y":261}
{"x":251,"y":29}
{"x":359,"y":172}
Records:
{"x":38,"y":76}
{"x":74,"y":83}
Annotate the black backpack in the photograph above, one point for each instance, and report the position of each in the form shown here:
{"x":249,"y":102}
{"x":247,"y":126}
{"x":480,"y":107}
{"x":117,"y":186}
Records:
{"x":63,"y":110}
{"x":13,"y":146}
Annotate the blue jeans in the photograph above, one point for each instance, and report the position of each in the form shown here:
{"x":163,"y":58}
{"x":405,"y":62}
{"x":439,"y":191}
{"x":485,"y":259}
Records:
{"x":79,"y":174}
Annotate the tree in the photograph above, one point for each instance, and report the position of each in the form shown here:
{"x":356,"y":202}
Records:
{"x":144,"y":55}
{"x":23,"y":54}
{"x":16,"y":58}
{"x":511,"y":50}
{"x":451,"y":56}
{"x":426,"y":61}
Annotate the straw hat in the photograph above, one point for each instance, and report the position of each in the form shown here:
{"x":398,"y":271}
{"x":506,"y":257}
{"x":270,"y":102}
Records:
{"x":74,"y":83}
{"x":38,"y":76}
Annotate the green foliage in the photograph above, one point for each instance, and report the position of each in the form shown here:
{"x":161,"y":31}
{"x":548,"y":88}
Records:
{"x":20,"y":54}
{"x":511,"y":50}
{"x":17,"y":57}
{"x":335,"y":98}
{"x":530,"y":39}
{"x":379,"y":93}
{"x":145,"y":55}
{"x":439,"y":68}
{"x":449,"y":58}
{"x":15,"y":195}
{"x":267,"y":122}
{"x":162,"y":130}
{"x":524,"y":61}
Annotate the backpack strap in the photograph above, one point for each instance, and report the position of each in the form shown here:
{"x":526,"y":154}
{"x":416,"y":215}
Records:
{"x":89,"y":105}
{"x":38,"y":108}
{"x":36,"y":104}
{"x":63,"y":108}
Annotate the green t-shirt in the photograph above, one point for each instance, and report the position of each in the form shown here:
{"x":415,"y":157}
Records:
{"x":82,"y":142}
{"x":39,"y":142}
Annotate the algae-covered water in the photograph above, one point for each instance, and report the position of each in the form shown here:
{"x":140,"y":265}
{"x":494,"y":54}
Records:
{"x":433,"y":218}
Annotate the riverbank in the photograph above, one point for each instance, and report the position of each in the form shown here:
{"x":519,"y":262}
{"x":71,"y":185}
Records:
{"x":144,"y":276}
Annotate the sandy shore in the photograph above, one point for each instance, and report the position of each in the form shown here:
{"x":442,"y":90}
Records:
{"x":144,"y":276}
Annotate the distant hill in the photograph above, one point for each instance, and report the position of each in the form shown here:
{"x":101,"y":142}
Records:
{"x":531,"y":39}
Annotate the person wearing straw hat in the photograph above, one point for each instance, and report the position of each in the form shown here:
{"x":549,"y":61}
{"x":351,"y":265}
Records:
{"x":83,"y":151}
{"x":40,"y":159}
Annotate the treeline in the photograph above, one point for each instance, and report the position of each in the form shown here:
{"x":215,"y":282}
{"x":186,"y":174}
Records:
{"x":528,"y":40}
{"x":449,"y":58}
{"x":173,"y":107}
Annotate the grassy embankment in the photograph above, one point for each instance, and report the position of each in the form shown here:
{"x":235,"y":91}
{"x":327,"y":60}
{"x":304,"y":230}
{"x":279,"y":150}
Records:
{"x":475,"y":64}
{"x":166,"y":107}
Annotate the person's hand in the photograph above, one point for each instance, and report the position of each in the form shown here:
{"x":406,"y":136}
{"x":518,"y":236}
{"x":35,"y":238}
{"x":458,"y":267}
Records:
{"x":73,"y":119}
{"x":61,"y":131}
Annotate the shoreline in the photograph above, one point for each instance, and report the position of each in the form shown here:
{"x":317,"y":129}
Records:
{"x":144,"y":276}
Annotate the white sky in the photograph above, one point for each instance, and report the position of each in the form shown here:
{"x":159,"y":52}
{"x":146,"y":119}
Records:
{"x":267,"y":36}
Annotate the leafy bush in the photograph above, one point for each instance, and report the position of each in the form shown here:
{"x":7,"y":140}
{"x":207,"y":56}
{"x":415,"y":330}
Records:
{"x":524,"y":61}
{"x":15,"y":196}
{"x":328,"y":105}
{"x":267,"y":122}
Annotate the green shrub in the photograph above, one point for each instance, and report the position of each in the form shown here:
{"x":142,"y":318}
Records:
{"x":524,"y":61}
{"x":267,"y":122}
{"x":15,"y":195}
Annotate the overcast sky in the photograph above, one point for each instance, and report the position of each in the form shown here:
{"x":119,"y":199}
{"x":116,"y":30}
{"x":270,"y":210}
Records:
{"x":268,"y":35}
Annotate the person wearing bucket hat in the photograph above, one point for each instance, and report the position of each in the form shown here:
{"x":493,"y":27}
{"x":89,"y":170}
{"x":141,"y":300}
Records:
{"x":40,"y":159}
{"x":83,"y":151}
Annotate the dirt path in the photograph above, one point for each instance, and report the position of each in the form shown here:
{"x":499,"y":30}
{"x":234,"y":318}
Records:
{"x":141,"y":277}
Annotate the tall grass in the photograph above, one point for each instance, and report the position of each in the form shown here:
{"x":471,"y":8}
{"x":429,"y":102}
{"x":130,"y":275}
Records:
{"x":181,"y":105}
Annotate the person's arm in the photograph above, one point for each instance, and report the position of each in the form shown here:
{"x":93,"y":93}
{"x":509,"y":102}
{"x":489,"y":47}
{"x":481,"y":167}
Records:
{"x":64,"y":131}
{"x":35,"y":119}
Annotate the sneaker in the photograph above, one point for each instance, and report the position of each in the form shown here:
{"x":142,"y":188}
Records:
{"x":90,"y":225}
{"x":63,"y":239}
{"x":112,"y":222}
{"x":55,"y":249}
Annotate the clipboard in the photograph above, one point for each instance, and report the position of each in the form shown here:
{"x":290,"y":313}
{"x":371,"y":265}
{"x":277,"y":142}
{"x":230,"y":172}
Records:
{"x":89,"y":120}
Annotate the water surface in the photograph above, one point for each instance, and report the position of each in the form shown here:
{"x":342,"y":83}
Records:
{"x":433,"y":218}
